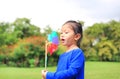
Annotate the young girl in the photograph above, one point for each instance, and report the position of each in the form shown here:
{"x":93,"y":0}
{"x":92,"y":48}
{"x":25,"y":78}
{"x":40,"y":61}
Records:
{"x":71,"y":63}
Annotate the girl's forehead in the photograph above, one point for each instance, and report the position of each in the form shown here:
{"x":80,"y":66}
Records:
{"x":66,"y":27}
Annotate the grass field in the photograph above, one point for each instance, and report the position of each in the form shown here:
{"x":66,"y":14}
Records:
{"x":93,"y":70}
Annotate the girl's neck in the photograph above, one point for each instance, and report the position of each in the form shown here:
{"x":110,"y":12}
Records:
{"x":69,"y":48}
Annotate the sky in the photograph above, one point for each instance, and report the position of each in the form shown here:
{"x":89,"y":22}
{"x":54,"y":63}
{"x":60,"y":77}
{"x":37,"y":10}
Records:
{"x":56,"y":12}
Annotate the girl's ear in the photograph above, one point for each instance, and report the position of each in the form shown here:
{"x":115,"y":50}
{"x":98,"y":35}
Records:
{"x":77,"y":36}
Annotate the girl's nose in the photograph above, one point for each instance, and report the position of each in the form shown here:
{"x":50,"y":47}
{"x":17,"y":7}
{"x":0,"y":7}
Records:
{"x":62,"y":35}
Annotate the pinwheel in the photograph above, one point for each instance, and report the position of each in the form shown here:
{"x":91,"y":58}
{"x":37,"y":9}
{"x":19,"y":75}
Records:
{"x":51,"y":45}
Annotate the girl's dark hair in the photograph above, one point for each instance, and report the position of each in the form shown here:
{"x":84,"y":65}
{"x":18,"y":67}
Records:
{"x":77,"y":28}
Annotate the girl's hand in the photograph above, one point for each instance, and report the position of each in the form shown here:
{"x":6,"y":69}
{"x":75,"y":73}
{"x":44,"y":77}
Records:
{"x":44,"y":72}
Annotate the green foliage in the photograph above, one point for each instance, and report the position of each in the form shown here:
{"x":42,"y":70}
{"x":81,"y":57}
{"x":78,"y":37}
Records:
{"x":106,"y":50}
{"x":104,"y":39}
{"x":11,"y":63}
{"x":11,"y":34}
{"x":28,"y":55}
{"x":2,"y":57}
{"x":2,"y":41}
{"x":19,"y":52}
{"x":22,"y":43}
{"x":11,"y":39}
{"x":23,"y":28}
{"x":4,"y":27}
{"x":32,"y":61}
{"x":47,"y":30}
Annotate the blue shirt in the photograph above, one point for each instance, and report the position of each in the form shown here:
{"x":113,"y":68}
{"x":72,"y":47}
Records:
{"x":70,"y":66}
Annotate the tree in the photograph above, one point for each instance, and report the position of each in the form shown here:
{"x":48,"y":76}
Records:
{"x":106,"y":50}
{"x":23,"y":28}
{"x":4,"y":30}
{"x":104,"y":38}
{"x":47,"y":30}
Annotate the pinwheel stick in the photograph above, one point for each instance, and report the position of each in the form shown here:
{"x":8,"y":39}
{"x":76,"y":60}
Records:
{"x":46,"y":43}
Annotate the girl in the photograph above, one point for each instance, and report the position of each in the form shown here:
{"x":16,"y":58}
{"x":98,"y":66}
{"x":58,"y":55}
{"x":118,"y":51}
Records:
{"x":71,"y":63}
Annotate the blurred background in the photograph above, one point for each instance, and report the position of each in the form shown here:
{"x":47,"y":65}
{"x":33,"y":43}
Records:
{"x":25,"y":24}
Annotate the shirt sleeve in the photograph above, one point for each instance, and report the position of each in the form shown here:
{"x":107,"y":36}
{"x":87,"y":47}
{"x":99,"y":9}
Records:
{"x":76,"y":64}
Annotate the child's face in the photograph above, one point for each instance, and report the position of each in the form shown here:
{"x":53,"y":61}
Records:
{"x":67,"y":35}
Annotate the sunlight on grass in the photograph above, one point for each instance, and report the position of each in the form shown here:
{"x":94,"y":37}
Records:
{"x":93,"y":70}
{"x":102,"y":70}
{"x":21,"y":73}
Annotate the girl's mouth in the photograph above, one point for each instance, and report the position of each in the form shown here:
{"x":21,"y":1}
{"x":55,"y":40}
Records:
{"x":62,"y":40}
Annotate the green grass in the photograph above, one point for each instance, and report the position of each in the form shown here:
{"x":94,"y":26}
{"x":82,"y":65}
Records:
{"x":102,"y":70}
{"x":93,"y":70}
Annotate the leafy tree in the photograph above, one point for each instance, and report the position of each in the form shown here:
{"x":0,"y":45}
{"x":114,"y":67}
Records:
{"x":47,"y":30}
{"x":106,"y":50}
{"x":4,"y":30}
{"x":103,"y":37}
{"x":23,"y":28}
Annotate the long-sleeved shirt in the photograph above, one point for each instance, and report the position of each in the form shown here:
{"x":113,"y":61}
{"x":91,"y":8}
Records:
{"x":70,"y":66}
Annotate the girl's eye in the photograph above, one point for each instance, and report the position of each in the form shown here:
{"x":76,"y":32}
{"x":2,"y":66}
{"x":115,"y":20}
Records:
{"x":66,"y":32}
{"x":61,"y":33}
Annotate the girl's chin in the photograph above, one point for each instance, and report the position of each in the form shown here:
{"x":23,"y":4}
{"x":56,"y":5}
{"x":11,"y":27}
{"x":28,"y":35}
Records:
{"x":63,"y":44}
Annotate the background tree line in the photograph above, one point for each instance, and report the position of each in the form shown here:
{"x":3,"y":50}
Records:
{"x":22,"y":43}
{"x":101,"y":41}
